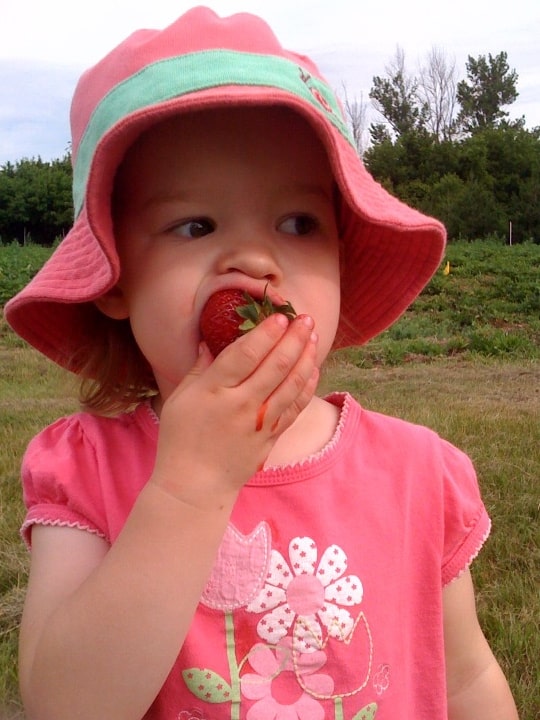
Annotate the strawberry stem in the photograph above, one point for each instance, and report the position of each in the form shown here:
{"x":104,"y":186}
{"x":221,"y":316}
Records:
{"x":254,"y":312}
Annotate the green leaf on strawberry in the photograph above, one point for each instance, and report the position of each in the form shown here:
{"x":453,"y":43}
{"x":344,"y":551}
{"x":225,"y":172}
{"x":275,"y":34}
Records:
{"x":254,"y":312}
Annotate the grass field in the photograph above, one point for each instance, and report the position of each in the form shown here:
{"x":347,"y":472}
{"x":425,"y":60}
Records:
{"x":465,"y":361}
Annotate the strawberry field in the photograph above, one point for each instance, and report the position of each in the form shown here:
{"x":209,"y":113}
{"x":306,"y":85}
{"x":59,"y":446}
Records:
{"x":17,"y":265}
{"x":483,"y":301}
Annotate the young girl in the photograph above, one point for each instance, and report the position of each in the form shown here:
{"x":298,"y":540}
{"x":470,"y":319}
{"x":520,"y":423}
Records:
{"x":209,"y":538}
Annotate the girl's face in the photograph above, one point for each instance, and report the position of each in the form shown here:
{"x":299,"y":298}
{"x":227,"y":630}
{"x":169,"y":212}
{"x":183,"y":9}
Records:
{"x":225,"y":198}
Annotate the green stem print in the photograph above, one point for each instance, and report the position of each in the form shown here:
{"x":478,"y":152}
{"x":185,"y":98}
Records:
{"x":338,"y":708}
{"x":210,"y":687}
{"x":234,"y":670}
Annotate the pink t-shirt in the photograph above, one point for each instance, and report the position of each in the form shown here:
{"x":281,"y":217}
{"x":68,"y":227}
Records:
{"x":326,"y":596}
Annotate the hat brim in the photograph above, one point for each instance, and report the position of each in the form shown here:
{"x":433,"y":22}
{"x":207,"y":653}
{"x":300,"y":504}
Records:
{"x":390,"y":250}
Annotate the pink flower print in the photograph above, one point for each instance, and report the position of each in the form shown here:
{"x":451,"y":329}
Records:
{"x":309,"y":593}
{"x":239,"y":570}
{"x":275,"y":687}
{"x":381,"y":679}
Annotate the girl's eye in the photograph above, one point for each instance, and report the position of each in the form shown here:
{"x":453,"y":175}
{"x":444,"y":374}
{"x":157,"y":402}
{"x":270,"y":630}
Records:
{"x":298,"y":225}
{"x":194,"y":228}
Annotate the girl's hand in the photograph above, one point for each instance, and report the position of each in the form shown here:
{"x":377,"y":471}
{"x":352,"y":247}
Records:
{"x":220,"y":423}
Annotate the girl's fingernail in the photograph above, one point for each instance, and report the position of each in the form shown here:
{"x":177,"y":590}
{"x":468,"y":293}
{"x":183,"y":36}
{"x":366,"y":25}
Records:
{"x":307,"y":320}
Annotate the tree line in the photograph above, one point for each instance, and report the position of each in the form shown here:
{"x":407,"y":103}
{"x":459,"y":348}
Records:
{"x":444,"y":146}
{"x":449,"y":148}
{"x":35,"y":201}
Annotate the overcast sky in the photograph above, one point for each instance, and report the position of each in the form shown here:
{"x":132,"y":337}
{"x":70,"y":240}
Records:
{"x":46,"y":44}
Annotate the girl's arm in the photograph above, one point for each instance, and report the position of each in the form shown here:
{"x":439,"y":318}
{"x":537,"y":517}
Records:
{"x":102,"y":627}
{"x":477,"y":688}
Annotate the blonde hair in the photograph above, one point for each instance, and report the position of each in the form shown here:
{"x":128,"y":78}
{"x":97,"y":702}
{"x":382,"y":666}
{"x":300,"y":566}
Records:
{"x":115,"y":375}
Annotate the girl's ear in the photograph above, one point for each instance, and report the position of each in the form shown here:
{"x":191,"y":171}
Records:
{"x":113,"y":304}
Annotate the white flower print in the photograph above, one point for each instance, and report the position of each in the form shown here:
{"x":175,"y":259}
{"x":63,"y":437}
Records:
{"x":308,"y":593}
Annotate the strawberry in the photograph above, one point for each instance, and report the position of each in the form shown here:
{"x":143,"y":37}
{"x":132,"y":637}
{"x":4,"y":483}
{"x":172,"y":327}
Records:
{"x":233,"y":312}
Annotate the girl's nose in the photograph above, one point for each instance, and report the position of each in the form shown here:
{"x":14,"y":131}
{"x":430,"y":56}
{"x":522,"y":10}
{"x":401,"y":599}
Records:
{"x":250,"y":257}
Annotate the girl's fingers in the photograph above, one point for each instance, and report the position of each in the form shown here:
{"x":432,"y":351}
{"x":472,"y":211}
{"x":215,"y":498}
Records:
{"x":265,"y":355}
{"x":292,"y":395}
{"x":271,"y":420}
{"x":290,"y":363}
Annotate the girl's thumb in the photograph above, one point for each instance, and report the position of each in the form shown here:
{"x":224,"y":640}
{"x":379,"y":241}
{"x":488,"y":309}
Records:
{"x":204,"y":360}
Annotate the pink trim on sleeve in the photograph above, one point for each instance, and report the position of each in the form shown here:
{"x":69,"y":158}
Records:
{"x":472,"y":543}
{"x":55,"y":516}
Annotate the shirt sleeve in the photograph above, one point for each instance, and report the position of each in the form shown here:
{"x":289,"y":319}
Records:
{"x":60,"y":480}
{"x":466,"y":522}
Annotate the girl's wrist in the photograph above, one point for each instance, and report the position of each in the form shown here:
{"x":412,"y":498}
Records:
{"x":200,"y":493}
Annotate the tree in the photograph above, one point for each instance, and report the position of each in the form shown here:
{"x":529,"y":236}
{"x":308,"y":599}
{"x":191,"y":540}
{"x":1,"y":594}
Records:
{"x":490,"y":85}
{"x":476,"y":186}
{"x":396,"y":98}
{"x":35,"y":200}
{"x":437,"y":91}
{"x":379,"y":134}
{"x":477,"y":172}
{"x":356,"y":114}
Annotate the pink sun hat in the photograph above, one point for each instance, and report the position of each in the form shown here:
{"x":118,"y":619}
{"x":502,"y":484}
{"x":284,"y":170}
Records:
{"x":202,"y":61}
